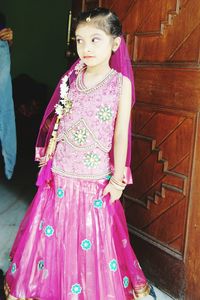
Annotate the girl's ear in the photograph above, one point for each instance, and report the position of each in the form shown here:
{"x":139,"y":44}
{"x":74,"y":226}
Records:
{"x":116,"y":43}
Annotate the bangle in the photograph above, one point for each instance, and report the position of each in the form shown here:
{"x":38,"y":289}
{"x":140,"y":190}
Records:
{"x":120,"y":183}
{"x":117,"y":184}
{"x":118,"y":187}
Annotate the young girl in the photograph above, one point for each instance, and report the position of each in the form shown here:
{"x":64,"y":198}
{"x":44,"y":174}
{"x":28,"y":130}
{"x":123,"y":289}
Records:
{"x":73,"y":241}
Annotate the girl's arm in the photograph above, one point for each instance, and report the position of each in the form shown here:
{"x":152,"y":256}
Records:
{"x":121,"y":129}
{"x":120,"y":139}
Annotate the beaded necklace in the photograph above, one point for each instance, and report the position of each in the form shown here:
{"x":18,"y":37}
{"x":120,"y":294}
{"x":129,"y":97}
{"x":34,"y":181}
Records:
{"x":80,"y":85}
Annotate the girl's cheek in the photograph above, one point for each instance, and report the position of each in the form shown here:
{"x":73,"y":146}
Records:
{"x":78,"y":49}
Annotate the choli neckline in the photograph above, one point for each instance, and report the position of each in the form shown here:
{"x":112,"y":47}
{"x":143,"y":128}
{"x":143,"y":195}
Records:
{"x":81,"y":86}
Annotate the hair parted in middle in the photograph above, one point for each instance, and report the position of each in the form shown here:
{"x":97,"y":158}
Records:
{"x":102,"y":18}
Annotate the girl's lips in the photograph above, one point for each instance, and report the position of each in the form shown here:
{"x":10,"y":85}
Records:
{"x":88,"y":56}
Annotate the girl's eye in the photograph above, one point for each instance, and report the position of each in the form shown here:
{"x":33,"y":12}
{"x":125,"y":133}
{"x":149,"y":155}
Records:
{"x":95,"y":39}
{"x":79,"y":41}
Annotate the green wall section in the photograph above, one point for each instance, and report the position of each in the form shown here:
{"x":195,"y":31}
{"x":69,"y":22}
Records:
{"x":40,"y":29}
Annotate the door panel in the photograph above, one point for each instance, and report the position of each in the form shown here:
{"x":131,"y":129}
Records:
{"x":162,"y":206}
{"x":163,"y":40}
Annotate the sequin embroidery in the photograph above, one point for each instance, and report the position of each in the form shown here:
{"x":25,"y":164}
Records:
{"x":113,"y":265}
{"x":98,"y":203}
{"x":91,"y":160}
{"x":14,"y":268}
{"x":49,"y":230}
{"x":105,"y":113}
{"x":41,"y":225}
{"x":76,"y":289}
{"x":125,"y":281}
{"x":86,"y":245}
{"x":41,"y":265}
{"x":60,"y":193}
{"x":80,"y":136}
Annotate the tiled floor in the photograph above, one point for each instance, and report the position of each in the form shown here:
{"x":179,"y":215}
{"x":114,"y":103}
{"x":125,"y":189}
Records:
{"x":15,"y":195}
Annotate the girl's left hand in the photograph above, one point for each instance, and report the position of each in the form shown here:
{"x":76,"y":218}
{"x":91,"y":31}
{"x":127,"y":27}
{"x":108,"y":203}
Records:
{"x":42,"y":162}
{"x":114,"y":193}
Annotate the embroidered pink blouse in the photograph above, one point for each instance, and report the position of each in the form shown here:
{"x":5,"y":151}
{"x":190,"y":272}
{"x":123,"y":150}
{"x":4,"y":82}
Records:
{"x":85,"y":135}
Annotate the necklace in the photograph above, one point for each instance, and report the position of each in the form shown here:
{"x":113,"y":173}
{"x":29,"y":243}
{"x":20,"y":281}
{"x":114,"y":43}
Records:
{"x":80,"y":82}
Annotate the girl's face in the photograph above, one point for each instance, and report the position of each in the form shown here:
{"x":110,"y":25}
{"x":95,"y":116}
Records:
{"x":94,"y":46}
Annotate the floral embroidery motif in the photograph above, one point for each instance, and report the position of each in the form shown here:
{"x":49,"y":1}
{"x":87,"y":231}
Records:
{"x":80,"y":136}
{"x":91,"y":160}
{"x":14,"y":268}
{"x":105,"y":113}
{"x":113,"y":265}
{"x":49,"y":230}
{"x":41,"y":265}
{"x":125,"y":281}
{"x":76,"y":289}
{"x":60,"y":193}
{"x":41,"y":225}
{"x":86,"y":244}
{"x":98,"y":203}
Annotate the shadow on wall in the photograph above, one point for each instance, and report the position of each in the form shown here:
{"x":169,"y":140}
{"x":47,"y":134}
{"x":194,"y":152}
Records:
{"x":30,"y":99}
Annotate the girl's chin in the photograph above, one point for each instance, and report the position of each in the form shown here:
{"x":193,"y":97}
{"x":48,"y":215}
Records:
{"x":89,"y":64}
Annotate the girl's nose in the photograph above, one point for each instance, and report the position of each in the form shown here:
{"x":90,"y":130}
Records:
{"x":87,"y":48}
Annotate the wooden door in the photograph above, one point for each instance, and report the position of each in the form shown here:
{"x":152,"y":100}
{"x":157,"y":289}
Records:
{"x":163,"y":205}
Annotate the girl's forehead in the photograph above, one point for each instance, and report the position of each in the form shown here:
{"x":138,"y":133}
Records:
{"x":87,"y":30}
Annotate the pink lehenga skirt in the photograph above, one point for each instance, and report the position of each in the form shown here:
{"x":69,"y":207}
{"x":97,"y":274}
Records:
{"x":73,"y":244}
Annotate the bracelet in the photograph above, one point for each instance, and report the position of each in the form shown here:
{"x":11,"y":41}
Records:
{"x":118,"y":184}
{"x":120,"y":188}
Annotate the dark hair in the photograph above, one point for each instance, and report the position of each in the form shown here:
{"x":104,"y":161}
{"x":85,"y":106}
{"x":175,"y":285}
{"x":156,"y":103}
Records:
{"x":102,"y":18}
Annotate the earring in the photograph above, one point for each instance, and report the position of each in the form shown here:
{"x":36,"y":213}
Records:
{"x":88,"y":19}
